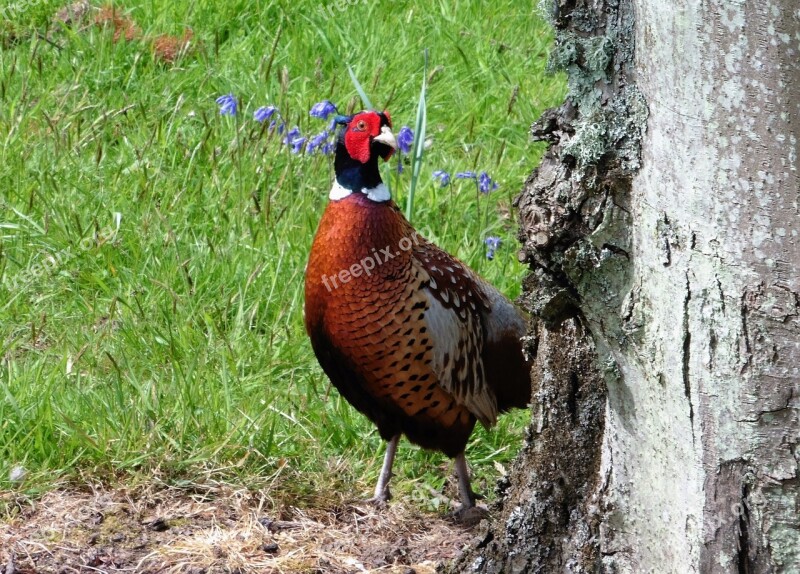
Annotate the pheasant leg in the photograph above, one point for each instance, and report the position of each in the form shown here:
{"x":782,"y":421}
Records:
{"x":464,"y":488}
{"x":468,"y":514}
{"x":382,"y":494}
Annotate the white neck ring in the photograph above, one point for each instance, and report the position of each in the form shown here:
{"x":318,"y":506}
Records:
{"x":378,"y":193}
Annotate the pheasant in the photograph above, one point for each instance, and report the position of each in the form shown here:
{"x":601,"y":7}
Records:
{"x":408,"y":334}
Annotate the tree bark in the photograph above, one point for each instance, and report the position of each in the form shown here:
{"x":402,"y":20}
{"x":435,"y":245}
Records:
{"x":662,"y":233}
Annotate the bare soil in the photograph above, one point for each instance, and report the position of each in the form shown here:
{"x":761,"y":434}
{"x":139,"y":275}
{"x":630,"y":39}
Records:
{"x":215,"y":530}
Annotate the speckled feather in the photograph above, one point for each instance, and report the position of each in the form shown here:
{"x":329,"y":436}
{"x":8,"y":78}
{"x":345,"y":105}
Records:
{"x":421,"y":345}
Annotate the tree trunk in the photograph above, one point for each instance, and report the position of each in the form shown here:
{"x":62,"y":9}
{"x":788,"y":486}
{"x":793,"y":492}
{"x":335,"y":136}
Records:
{"x":662,"y":232}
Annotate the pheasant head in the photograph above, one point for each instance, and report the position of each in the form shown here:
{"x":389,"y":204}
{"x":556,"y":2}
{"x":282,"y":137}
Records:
{"x":366,"y":137}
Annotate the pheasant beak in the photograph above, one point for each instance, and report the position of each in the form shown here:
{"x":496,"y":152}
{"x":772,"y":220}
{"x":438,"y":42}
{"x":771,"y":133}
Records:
{"x":386,"y":137}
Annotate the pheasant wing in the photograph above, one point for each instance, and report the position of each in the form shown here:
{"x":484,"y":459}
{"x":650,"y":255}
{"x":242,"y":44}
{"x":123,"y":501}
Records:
{"x":455,"y":304}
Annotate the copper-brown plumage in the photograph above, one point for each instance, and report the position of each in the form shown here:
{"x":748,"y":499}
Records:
{"x":409,"y":335}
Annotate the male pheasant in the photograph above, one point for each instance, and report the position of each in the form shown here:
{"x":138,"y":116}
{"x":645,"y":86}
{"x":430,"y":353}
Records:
{"x":408,"y":334}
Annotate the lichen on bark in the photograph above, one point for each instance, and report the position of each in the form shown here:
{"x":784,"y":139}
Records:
{"x":575,"y":221}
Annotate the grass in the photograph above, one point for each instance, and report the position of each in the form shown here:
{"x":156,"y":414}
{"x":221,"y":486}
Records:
{"x":152,"y":251}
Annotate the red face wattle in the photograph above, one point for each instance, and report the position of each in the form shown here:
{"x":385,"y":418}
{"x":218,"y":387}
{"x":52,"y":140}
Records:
{"x":366,"y":130}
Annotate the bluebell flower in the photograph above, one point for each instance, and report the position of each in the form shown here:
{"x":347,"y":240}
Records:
{"x":323,"y":109}
{"x":466,"y":175}
{"x":442,"y":176}
{"x":317,"y":141}
{"x":297,"y":144}
{"x":264,"y":113}
{"x":281,"y":126}
{"x":492,"y":245}
{"x":328,"y":147}
{"x":485,"y":183}
{"x":227,"y":105}
{"x":291,"y":135}
{"x":405,"y":138}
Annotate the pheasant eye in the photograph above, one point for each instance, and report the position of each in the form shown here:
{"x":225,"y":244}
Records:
{"x":361,"y":125}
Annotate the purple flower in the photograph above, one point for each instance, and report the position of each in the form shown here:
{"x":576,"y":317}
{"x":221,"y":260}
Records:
{"x":404,"y":139}
{"x":264,"y":113}
{"x":466,"y":175}
{"x":291,"y":135}
{"x":227,"y":105}
{"x":322,"y":109}
{"x":328,"y":147}
{"x":485,"y":183}
{"x":297,"y":144}
{"x":317,"y":141}
{"x":492,"y":245}
{"x":442,"y":176}
{"x":281,"y":127}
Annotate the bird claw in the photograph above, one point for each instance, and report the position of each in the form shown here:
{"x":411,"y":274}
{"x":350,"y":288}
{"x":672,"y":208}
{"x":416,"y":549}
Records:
{"x":380,"y":501}
{"x":470,"y":515}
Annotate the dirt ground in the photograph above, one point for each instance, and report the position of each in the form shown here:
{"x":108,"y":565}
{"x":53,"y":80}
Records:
{"x":216,"y":530}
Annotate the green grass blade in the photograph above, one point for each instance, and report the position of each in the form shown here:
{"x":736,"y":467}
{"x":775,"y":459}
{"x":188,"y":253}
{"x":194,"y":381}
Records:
{"x":387,"y":177}
{"x":419,"y":141}
{"x":359,"y":89}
